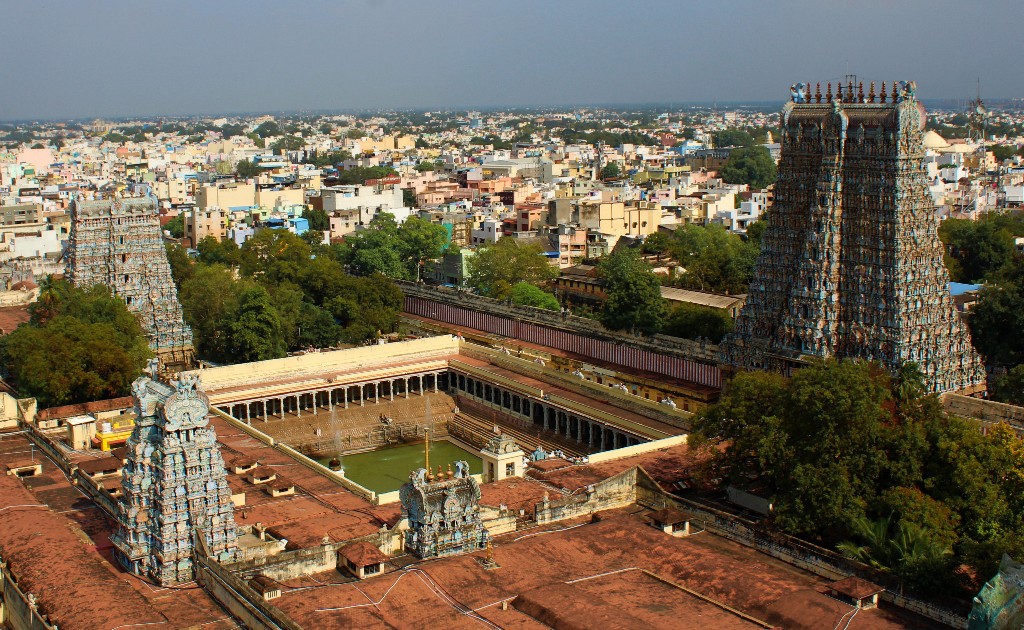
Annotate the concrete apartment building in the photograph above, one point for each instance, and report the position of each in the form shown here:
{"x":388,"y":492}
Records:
{"x":202,"y":223}
{"x":226,"y":196}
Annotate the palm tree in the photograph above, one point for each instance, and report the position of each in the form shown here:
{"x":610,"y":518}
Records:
{"x":902,"y":550}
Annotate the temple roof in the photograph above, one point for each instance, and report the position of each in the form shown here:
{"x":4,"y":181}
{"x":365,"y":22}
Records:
{"x":362,"y":554}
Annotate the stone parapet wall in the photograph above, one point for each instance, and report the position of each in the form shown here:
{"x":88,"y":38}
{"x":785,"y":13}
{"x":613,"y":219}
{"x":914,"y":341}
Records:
{"x":985,"y":411}
{"x":681,"y":359}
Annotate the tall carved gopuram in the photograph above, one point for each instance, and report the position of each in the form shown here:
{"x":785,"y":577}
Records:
{"x":851,"y":262}
{"x":175,"y":485}
{"x":119,"y":243}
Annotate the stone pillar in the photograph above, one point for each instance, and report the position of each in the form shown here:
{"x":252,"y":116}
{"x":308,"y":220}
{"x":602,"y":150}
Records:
{"x":376,"y":393}
{"x":298,"y":405}
{"x":391,"y":389}
{"x":281,"y":402}
{"x":330,"y":400}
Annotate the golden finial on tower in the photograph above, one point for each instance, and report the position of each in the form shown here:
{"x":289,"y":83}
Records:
{"x":817,"y":93}
{"x":882,"y":99}
{"x":426,"y":450}
{"x":860,"y":92}
{"x":871,"y":93}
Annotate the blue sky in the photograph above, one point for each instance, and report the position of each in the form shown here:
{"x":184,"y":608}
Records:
{"x":116,"y":58}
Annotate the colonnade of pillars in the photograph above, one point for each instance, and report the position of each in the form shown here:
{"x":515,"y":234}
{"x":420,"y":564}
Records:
{"x":596,"y":435}
{"x":341,"y":396}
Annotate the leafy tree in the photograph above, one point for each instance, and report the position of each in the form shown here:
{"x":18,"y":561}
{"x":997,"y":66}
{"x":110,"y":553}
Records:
{"x":331,"y":158}
{"x":359,"y":174}
{"x":713,"y":258}
{"x":318,"y":219}
{"x":214,"y":251}
{"x":1002,"y":151}
{"x":634,"y":301}
{"x":176,"y":226}
{"x":997,"y":324}
{"x":750,"y":165}
{"x":287,"y":143}
{"x":899,"y":547}
{"x":255,"y":331}
{"x":274,"y":256}
{"x":424,"y":167}
{"x":526,"y":294}
{"x":611,"y":171}
{"x":691,"y":321}
{"x":247,"y":169}
{"x":81,"y":345}
{"x":734,"y":138}
{"x":1009,"y":387}
{"x":420,"y":240}
{"x":267,"y":129}
{"x":182,"y":268}
{"x":496,"y":269}
{"x":116,"y":138}
{"x":979,"y":250}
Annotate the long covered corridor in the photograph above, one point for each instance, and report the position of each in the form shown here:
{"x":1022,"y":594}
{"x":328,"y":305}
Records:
{"x":341,"y":396}
{"x":593,"y":434}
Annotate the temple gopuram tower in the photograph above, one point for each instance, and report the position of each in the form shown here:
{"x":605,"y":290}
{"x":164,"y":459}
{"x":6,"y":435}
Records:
{"x":851,"y":262}
{"x":175,"y":485}
{"x":119,"y":243}
{"x":443,"y":512}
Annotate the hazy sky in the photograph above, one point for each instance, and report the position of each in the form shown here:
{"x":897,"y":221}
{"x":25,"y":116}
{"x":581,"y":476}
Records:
{"x":121,"y":58}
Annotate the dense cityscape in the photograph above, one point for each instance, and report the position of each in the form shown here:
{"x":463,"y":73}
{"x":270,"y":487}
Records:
{"x":716,"y":362}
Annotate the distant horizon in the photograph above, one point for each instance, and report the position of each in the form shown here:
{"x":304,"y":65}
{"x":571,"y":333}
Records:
{"x":124,"y":59}
{"x":942,"y":104}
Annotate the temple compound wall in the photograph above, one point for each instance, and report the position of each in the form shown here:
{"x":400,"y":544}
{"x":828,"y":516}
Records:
{"x":118,"y":243}
{"x":851,"y":262}
{"x":174,"y":484}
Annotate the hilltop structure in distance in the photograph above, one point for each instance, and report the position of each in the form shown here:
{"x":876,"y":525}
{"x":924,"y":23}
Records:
{"x":851,"y":262}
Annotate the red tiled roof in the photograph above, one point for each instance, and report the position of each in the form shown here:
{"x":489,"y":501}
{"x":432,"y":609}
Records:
{"x":102,"y":464}
{"x":362,"y":554}
{"x":67,"y":411}
{"x":50,"y":561}
{"x":668,"y":516}
{"x":11,"y":317}
{"x":855,"y":588}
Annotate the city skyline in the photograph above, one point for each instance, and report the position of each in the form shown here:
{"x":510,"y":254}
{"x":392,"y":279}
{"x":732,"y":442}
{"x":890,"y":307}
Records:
{"x":188,"y":58}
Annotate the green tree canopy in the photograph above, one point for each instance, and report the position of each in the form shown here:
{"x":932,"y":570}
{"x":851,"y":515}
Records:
{"x":267,"y":129}
{"x":497,"y":268}
{"x":634,"y":301}
{"x":318,"y":219}
{"x":247,"y":169}
{"x":288,"y":143}
{"x":526,"y":294}
{"x":611,"y":171}
{"x":750,"y":165}
{"x":81,"y":345}
{"x":734,"y":138}
{"x":176,"y":226}
{"x":713,"y":259}
{"x":691,"y":321}
{"x":979,"y":250}
{"x":359,"y":174}
{"x":845,"y":450}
